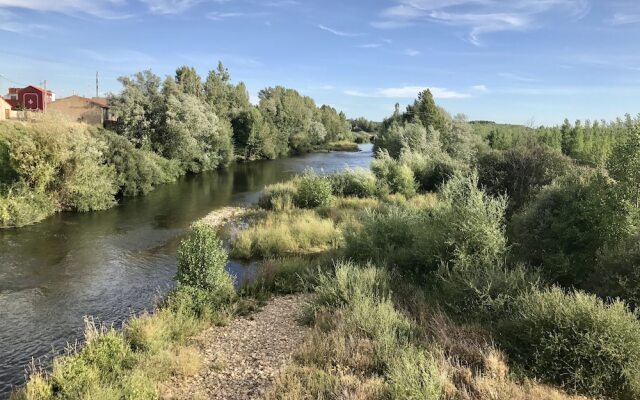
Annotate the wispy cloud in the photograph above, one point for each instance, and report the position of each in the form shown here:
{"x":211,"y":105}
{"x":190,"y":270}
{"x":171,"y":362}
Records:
{"x":624,"y":19}
{"x":480,"y":88}
{"x":409,"y":92}
{"x":107,"y":9}
{"x":337,"y":32}
{"x":369,"y":45}
{"x":412,"y":52}
{"x":479,"y":17}
{"x":10,"y":23}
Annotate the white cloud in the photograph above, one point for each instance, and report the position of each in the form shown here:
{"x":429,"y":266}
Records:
{"x":108,"y":9}
{"x":370,"y":46}
{"x":480,"y":88}
{"x":356,"y":93}
{"x":479,"y":16}
{"x":412,"y":52}
{"x":624,"y":19}
{"x":409,"y":92}
{"x":10,"y":23}
{"x":337,"y":32}
{"x":219,"y":16}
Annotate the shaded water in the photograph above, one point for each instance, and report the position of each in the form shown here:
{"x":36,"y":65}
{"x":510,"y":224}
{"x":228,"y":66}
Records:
{"x":113,"y":263}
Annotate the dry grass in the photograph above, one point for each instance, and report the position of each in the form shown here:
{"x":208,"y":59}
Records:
{"x":279,"y":234}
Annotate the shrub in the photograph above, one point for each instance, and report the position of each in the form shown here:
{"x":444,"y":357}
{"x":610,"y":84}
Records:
{"x":137,"y":171}
{"x":393,"y":176}
{"x":521,"y":172}
{"x":486,"y":292}
{"x":88,"y":183}
{"x":73,"y":378}
{"x":353,"y":183}
{"x":313,"y":191}
{"x":201,"y":266}
{"x":138,"y":385}
{"x":283,"y":276}
{"x":107,"y":352}
{"x":389,"y":236}
{"x":279,"y":196}
{"x":567,"y":225}
{"x":432,"y":171}
{"x":414,"y":376}
{"x":617,"y":273}
{"x":280,"y":234}
{"x":465,"y":228}
{"x":347,"y":281}
{"x":21,"y":206}
{"x":576,"y":341}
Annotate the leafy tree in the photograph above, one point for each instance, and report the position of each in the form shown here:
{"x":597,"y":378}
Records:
{"x":425,"y":110}
{"x":189,"y":81}
{"x":138,"y":107}
{"x":624,"y":165}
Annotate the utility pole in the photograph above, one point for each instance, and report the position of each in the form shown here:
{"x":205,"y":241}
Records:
{"x":97,"y":95}
{"x":46,"y":97}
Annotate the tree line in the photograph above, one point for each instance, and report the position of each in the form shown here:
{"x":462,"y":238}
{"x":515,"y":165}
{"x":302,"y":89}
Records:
{"x":163,"y":129}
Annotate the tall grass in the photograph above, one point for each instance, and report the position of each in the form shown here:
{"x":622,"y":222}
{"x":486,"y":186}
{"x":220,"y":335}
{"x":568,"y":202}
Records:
{"x":281,"y":234}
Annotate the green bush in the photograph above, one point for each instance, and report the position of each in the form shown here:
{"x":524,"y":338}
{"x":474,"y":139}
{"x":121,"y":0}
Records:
{"x":313,"y":191}
{"x":348,"y":281}
{"x":567,"y":225}
{"x":353,"y":183}
{"x":465,"y":228}
{"x":483,"y":292}
{"x":390,"y":236}
{"x":393,"y":176}
{"x":413,"y":375}
{"x":137,"y":171}
{"x":201,"y":267}
{"x":432,"y":171}
{"x":576,"y":341}
{"x":521,"y":172}
{"x":109,"y":353}
{"x":279,"y":196}
{"x":21,"y":206}
{"x":617,"y":273}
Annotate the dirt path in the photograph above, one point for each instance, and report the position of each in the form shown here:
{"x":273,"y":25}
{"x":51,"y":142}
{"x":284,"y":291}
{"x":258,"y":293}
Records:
{"x":241,"y":360}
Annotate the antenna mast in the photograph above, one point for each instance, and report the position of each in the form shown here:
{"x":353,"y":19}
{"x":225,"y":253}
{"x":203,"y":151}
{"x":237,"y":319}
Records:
{"x":97,"y":84}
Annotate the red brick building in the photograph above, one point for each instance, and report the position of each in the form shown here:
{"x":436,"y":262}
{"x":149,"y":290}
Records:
{"x":30,"y":98}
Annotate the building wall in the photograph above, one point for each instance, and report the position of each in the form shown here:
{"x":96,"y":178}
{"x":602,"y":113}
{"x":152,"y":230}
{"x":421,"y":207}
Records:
{"x":5,"y":110}
{"x":78,"y":109}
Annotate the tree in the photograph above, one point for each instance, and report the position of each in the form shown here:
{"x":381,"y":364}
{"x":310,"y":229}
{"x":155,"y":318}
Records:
{"x":426,"y":111}
{"x":138,"y":108}
{"x":189,"y":81}
{"x":624,"y":166}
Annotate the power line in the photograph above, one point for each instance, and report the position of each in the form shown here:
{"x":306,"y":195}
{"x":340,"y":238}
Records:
{"x":12,"y":81}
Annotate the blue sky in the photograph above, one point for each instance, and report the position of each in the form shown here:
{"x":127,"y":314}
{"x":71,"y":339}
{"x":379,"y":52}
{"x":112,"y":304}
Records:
{"x":519,"y":61}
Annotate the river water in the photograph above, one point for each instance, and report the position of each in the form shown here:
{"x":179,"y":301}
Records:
{"x":113,"y":263}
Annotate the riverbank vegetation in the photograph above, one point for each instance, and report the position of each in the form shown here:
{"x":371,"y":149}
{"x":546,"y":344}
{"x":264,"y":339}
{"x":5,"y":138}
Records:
{"x":476,"y":271}
{"x":453,"y":269}
{"x":164,"y":129}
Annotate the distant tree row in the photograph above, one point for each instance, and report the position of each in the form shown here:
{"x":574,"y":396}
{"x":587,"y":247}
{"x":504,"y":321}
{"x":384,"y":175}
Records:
{"x":589,"y":142}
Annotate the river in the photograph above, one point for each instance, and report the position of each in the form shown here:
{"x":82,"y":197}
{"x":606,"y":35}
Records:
{"x":114,"y":263}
